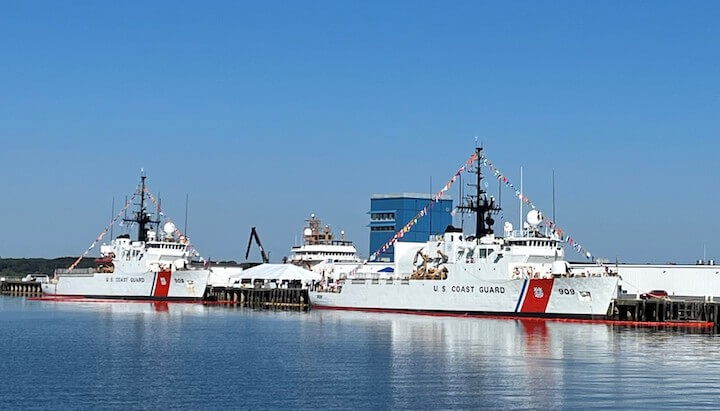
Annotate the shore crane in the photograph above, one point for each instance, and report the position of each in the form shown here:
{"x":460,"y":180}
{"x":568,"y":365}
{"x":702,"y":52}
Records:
{"x":254,"y":235}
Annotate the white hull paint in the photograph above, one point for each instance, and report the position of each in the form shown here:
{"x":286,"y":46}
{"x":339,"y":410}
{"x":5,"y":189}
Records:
{"x":522,"y":273}
{"x":163,"y":285}
{"x":557,"y":297}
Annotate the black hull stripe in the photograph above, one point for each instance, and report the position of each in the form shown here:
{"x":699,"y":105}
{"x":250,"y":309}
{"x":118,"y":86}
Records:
{"x":152,"y":290}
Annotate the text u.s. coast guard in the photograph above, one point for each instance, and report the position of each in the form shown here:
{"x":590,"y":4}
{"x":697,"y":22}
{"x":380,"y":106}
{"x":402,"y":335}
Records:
{"x":468,"y":289}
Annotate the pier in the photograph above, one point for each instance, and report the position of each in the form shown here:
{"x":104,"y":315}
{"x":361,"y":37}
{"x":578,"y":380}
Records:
{"x":291,"y":299}
{"x":667,"y":312}
{"x":19,"y":288}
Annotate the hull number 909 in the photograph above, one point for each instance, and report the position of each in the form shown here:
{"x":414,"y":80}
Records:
{"x":568,"y":291}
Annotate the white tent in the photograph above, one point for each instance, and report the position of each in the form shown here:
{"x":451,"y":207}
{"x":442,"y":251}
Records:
{"x":277,"y":272}
{"x":220,"y":276}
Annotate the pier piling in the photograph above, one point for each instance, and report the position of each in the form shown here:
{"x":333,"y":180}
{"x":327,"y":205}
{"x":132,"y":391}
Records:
{"x":667,"y":312}
{"x":261,"y":298}
{"x":19,"y":288}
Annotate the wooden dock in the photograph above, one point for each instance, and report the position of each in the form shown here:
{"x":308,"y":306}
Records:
{"x":292,"y":299}
{"x":668,"y":312}
{"x":19,"y":288}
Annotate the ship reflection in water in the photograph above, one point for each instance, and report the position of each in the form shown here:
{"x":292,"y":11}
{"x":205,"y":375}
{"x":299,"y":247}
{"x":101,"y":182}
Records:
{"x":471,"y":362}
{"x":190,"y":356}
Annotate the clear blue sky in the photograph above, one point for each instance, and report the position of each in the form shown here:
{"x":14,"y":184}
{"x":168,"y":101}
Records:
{"x":268,"y":111}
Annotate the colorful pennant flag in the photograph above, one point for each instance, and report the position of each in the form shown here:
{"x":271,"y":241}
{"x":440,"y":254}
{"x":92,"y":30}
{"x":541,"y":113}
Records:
{"x":102,"y":234}
{"x":551,"y":224}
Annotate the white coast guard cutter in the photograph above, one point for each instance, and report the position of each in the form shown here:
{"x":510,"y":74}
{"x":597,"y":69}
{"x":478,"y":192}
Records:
{"x":522,"y":273}
{"x":154,"y":266}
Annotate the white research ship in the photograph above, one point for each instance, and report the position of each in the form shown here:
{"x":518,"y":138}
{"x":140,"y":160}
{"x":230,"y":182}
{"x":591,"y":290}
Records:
{"x":152,"y":267}
{"x":520,"y":274}
{"x":320,"y":251}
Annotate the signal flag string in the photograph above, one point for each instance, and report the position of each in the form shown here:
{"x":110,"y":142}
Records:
{"x":500,"y":176}
{"x":179,"y":234}
{"x":99,"y":238}
{"x":422,"y":213}
{"x":436,"y":198}
{"x":102,"y":234}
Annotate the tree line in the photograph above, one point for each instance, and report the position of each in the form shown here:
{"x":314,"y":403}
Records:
{"x":20,"y":267}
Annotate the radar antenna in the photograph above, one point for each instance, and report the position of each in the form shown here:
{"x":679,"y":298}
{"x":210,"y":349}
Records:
{"x":142,"y":217}
{"x":479,"y":203}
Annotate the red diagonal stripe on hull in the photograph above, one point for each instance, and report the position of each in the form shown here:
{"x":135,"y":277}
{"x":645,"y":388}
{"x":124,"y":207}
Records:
{"x":162,"y":284}
{"x":537,"y":295}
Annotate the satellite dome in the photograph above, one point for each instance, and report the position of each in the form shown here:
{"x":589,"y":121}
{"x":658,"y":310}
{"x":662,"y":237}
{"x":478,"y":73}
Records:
{"x":534,"y":218}
{"x":307,"y":232}
{"x":169,"y":228}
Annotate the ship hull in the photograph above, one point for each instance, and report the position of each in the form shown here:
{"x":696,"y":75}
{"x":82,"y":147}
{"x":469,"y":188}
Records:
{"x":577,"y":297}
{"x":183,"y":285}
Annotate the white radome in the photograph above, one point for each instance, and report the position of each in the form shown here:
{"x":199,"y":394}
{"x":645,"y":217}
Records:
{"x":169,"y":228}
{"x":534,"y":218}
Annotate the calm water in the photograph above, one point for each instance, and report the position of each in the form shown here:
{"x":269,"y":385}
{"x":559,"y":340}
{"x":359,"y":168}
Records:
{"x":140,"y":355}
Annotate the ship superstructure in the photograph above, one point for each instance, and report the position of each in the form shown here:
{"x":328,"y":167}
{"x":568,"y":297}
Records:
{"x":154,"y":265}
{"x":320,"y":248}
{"x":522,"y":273}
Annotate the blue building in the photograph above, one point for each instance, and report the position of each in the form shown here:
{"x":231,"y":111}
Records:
{"x":390,"y":212}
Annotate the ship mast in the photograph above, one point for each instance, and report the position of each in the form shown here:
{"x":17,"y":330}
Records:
{"x":142,"y":217}
{"x":479,"y":203}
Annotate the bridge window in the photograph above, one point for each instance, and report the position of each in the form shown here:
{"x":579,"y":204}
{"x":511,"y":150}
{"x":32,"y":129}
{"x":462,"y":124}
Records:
{"x":382,"y":228}
{"x":382,"y":216}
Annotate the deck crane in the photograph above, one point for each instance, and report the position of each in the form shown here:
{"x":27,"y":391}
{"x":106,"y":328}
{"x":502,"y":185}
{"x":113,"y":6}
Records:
{"x":254,"y":234}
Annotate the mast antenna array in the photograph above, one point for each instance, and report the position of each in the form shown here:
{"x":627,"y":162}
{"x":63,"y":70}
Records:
{"x":142,"y":217}
{"x":479,"y":203}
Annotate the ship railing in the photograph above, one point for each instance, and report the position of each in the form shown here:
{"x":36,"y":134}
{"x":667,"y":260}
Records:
{"x":521,"y":234}
{"x":322,"y":287}
{"x":588,"y":273}
{"x":75,"y":271}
